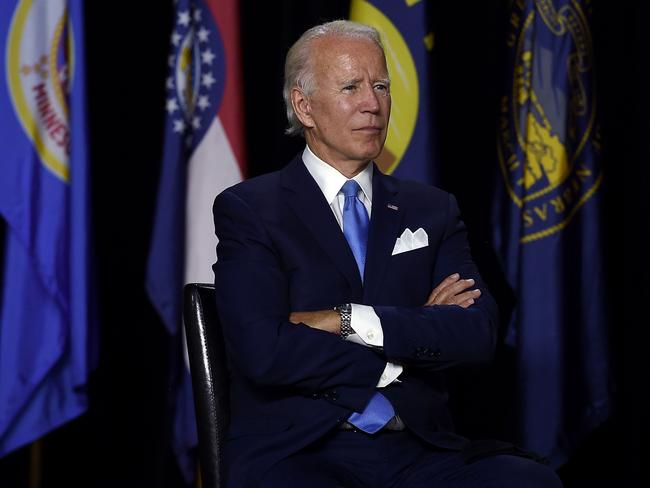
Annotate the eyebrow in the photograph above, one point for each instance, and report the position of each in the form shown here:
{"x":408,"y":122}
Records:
{"x":355,"y":81}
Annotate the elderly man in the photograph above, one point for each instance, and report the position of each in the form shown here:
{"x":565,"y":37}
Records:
{"x":344,"y":293}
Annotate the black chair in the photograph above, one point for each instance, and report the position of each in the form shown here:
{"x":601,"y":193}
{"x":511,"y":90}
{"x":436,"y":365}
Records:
{"x":210,"y":378}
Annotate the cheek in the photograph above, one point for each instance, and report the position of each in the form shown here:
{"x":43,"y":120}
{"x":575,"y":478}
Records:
{"x":387,"y":104}
{"x":343,"y":113}
{"x":334,"y":115}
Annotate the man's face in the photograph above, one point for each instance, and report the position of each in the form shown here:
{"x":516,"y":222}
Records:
{"x":347,"y":114}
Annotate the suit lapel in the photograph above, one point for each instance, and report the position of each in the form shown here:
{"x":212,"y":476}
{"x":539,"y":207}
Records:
{"x":385,"y":221}
{"x":305,"y":198}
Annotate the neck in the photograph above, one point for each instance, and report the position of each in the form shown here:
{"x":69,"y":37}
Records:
{"x":348,"y":168}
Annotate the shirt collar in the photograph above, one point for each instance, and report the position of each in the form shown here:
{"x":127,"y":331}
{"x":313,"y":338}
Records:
{"x":330,"y":180}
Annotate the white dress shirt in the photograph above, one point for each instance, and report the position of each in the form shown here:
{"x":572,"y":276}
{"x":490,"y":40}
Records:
{"x":365,"y":322}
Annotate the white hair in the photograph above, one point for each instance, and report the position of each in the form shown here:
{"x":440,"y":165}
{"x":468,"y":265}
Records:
{"x":298,"y":71}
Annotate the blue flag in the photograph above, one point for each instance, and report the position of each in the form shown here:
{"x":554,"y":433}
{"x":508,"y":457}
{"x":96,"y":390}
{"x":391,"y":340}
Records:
{"x":547,"y":226}
{"x":408,"y":41}
{"x":47,"y":318}
{"x":202,"y":155}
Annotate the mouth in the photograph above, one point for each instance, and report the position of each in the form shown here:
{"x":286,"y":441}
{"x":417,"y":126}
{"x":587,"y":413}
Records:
{"x":371,"y":129}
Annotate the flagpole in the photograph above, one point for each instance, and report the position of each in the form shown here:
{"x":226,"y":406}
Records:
{"x":36,"y":464}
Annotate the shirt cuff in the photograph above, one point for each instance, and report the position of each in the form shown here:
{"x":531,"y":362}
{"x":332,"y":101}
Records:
{"x":390,"y":374}
{"x":367,"y":326}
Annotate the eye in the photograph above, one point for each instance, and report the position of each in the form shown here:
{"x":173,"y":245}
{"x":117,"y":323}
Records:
{"x":349,"y":88}
{"x":382,"y":87}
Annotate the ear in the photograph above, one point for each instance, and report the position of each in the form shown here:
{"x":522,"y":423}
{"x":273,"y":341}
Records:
{"x":302,"y":107}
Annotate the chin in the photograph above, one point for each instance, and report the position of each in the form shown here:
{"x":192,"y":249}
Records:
{"x":373,"y":152}
{"x":366,"y":150}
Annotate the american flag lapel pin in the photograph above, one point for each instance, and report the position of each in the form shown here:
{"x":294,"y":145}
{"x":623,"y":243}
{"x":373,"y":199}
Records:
{"x":393,"y":207}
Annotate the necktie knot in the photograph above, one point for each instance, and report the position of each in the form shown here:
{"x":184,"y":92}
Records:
{"x":350,"y":188}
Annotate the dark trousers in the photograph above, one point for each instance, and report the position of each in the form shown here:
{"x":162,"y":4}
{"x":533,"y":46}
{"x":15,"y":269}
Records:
{"x":398,"y":459}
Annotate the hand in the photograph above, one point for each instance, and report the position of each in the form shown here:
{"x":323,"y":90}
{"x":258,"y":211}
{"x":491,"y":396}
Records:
{"x":327,"y":320}
{"x":452,"y":292}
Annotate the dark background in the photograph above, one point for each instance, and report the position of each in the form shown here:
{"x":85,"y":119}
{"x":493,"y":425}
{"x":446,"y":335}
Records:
{"x":124,"y":439}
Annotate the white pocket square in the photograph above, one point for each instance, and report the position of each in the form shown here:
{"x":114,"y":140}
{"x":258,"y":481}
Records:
{"x":410,"y":241}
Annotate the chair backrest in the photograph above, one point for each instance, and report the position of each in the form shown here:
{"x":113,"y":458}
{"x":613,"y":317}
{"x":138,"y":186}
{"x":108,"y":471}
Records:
{"x":210,"y":378}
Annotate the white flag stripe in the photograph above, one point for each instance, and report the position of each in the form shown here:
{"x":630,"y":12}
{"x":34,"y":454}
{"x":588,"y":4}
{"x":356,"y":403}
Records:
{"x":212,"y":168}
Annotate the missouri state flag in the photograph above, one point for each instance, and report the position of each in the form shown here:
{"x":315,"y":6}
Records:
{"x":203,"y":154}
{"x":407,"y":38}
{"x":47,"y":315}
{"x":547,"y":226}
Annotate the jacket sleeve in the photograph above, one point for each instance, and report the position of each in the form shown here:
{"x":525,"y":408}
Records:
{"x":436,"y":337}
{"x":252,"y":293}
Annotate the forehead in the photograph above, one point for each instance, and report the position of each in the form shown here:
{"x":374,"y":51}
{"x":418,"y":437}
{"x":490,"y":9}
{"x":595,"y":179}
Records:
{"x":339,"y":54}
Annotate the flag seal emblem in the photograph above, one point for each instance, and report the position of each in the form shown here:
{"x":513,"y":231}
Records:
{"x":194,"y":89}
{"x":548,"y":157}
{"x":39,"y":79}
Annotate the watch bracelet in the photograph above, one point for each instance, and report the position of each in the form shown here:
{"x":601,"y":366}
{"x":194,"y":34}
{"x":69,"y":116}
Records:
{"x":345,"y":313}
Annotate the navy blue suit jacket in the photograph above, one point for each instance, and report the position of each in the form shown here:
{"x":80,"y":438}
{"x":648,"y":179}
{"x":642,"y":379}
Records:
{"x":281,"y":250}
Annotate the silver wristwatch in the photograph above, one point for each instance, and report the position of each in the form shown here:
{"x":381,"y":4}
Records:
{"x":345,"y":312}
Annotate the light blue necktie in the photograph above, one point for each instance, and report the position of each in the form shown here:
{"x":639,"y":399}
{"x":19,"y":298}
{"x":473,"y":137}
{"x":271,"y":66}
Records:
{"x":355,"y":228}
{"x":355,"y":223}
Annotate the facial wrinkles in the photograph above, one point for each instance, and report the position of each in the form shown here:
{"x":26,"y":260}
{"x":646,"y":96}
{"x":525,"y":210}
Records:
{"x":349,"y":72}
{"x":334,"y":73}
{"x":340,"y":70}
{"x":345,"y":63}
{"x":346,"y":74}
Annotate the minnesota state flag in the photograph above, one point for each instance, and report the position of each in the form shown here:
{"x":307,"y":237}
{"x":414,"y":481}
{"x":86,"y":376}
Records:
{"x":547,"y":226}
{"x":47,"y":315}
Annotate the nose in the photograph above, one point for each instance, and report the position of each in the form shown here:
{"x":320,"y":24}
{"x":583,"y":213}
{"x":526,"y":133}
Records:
{"x":370,"y":102}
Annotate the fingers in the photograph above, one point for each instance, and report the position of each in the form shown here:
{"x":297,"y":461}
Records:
{"x":448,"y":281}
{"x":466,"y":299}
{"x":456,"y":293}
{"x":452,"y":292}
{"x":466,"y":303}
{"x":446,"y":295}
